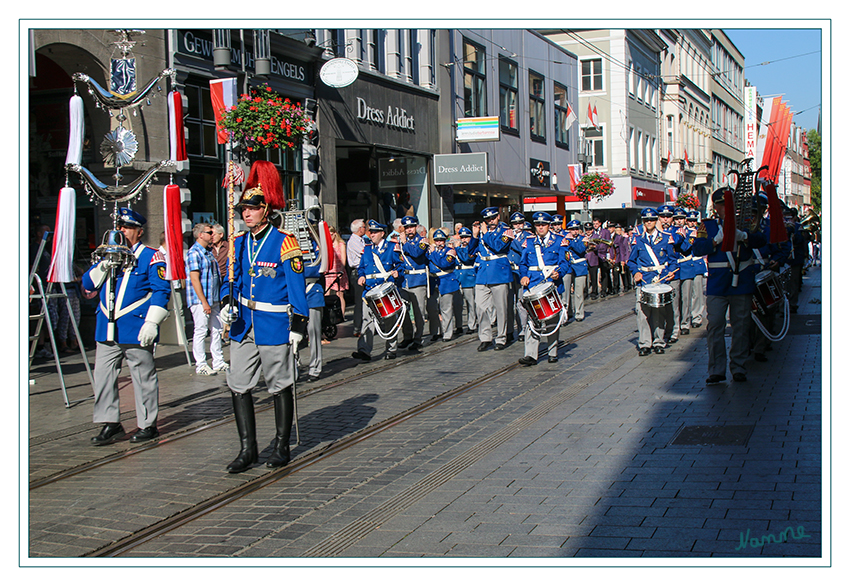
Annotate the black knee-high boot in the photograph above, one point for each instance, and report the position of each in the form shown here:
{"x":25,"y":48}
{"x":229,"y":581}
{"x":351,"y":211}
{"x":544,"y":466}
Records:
{"x":283,"y":408}
{"x":243,"y":409}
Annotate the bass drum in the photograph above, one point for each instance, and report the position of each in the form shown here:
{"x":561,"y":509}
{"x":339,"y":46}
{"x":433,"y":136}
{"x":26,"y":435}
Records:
{"x":656,"y":295}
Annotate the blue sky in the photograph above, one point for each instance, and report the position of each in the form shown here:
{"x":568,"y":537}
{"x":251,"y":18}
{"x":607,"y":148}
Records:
{"x":796,"y":59}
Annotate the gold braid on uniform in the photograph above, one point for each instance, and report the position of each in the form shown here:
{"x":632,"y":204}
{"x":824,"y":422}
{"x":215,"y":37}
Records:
{"x":290,"y":247}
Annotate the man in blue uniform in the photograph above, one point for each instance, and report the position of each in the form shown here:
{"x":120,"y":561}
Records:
{"x":515,"y":253}
{"x":672,"y":221}
{"x":729,"y":289}
{"x":267,"y":311}
{"x":699,"y":269}
{"x":128,"y":330}
{"x":798,"y":257}
{"x":315,"y":281}
{"x":492,"y":280}
{"x":648,"y":262}
{"x":466,"y":256}
{"x":577,"y":257}
{"x":544,"y":259}
{"x":443,"y":262}
{"x":414,"y":250}
{"x":380,"y":263}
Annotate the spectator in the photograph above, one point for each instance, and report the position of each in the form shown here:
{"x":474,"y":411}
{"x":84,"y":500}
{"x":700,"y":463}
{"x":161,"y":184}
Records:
{"x":336,"y":279}
{"x":353,"y":252}
{"x":203,"y":299}
{"x":219,"y":249}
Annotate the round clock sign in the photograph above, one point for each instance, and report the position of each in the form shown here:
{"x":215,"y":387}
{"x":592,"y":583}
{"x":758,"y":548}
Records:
{"x":339,"y":72}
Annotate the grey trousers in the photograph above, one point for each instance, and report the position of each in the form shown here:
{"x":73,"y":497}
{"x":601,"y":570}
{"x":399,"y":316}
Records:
{"x":447,"y":314}
{"x":532,"y":342}
{"x":109,"y":357}
{"x":248,"y":360}
{"x":738,"y":307}
{"x":686,"y":302}
{"x":314,"y":332}
{"x":366,"y":341}
{"x":579,"y":284}
{"x":672,"y":316}
{"x":650,"y":323}
{"x":698,"y":300}
{"x":520,"y":314}
{"x":418,"y":299}
{"x":566,"y":296}
{"x":468,"y":300}
{"x":491,"y":303}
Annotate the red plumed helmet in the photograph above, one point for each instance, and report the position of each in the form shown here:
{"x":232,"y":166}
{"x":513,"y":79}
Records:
{"x":264,"y":186}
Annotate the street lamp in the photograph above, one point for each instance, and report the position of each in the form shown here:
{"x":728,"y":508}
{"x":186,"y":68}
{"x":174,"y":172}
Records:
{"x":221,"y":47}
{"x":262,"y":53}
{"x":584,"y":158}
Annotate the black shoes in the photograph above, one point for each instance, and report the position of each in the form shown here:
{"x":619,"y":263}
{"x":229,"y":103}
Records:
{"x":501,"y":346}
{"x":658,"y":350}
{"x":311,"y":378}
{"x":390,"y":356}
{"x":739,"y":377}
{"x":644,"y":352}
{"x":109,"y":433}
{"x":283,"y":409}
{"x":405,"y":343}
{"x":527,"y":361}
{"x":483,"y":346}
{"x":672,"y":340}
{"x":685,"y":331}
{"x":553,"y":359}
{"x":144,"y":435}
{"x":414,"y":347}
{"x":361,"y":355}
{"x":715,"y":379}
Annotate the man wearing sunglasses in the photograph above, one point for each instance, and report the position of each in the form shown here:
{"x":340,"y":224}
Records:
{"x":203,"y":300}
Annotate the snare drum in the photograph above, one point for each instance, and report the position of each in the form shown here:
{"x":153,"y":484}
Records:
{"x":543,"y":304}
{"x":384,"y":300}
{"x":768,"y":294}
{"x":656,"y":295}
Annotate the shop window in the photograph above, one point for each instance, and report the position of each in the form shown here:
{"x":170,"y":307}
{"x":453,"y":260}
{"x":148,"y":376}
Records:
{"x":199,"y":119}
{"x":537,"y":106}
{"x":474,"y":80}
{"x":508,"y":90}
{"x":562,"y":124}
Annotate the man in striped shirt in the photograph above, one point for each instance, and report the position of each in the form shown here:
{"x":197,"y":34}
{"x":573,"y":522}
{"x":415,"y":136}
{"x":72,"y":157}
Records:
{"x":203,"y":300}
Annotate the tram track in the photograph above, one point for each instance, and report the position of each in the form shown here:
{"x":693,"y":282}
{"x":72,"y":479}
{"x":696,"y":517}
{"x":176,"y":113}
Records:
{"x":186,"y":433}
{"x":309,"y":459}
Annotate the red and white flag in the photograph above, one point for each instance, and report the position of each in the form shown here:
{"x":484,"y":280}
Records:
{"x":223,"y":95}
{"x":575,"y":176}
{"x":592,"y":116}
{"x":176,"y":136}
{"x":571,"y":116}
{"x":687,"y":161}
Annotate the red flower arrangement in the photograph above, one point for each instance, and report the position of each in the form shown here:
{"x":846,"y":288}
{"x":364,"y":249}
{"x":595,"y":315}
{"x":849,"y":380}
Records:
{"x":688,"y":201}
{"x":594,"y":185}
{"x":264,"y":120}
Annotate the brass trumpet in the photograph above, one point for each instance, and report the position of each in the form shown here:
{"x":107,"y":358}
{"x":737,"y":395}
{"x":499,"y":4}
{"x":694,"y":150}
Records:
{"x":602,"y":241}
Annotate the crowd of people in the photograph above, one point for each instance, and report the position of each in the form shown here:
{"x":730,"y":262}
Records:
{"x":486,"y":279}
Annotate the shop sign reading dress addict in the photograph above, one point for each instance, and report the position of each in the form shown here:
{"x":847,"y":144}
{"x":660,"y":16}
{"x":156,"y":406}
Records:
{"x":392,"y":117}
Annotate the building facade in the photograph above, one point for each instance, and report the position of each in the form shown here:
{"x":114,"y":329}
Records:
{"x":620,"y":99}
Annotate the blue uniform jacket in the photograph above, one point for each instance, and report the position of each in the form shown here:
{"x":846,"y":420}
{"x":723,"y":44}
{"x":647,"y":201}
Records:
{"x":554,"y":255}
{"x":720,"y":274}
{"x":466,"y":263}
{"x":388,"y":254}
{"x":641,"y":261}
{"x":443,"y":264}
{"x":268,"y":275}
{"x":800,"y":249}
{"x":682,"y":254}
{"x":315,"y":282}
{"x":494,"y":267}
{"x":576,"y":255}
{"x":135,"y":291}
{"x":515,"y":252}
{"x":415,"y":262}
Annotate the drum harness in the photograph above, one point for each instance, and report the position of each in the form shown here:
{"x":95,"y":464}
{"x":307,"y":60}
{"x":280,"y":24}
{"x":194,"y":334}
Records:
{"x":786,"y":321}
{"x":547,"y":273}
{"x":384,"y":274}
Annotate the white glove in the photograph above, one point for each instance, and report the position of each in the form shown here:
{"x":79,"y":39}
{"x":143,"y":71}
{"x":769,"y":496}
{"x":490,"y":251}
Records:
{"x":718,"y":238}
{"x":228,"y":314}
{"x":100,"y":272}
{"x":295,"y":338}
{"x":150,"y":329}
{"x":740,"y":235}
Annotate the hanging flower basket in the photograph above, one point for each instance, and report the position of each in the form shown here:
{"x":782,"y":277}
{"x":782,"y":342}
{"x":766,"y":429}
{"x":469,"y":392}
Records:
{"x":594,"y":185}
{"x":264,"y":120}
{"x":688,"y":201}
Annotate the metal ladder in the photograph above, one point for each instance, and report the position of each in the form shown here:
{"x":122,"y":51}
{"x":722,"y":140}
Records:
{"x":39,"y":294}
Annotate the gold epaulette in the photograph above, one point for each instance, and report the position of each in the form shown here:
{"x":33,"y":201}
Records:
{"x":240,"y":233}
{"x":290,"y":247}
